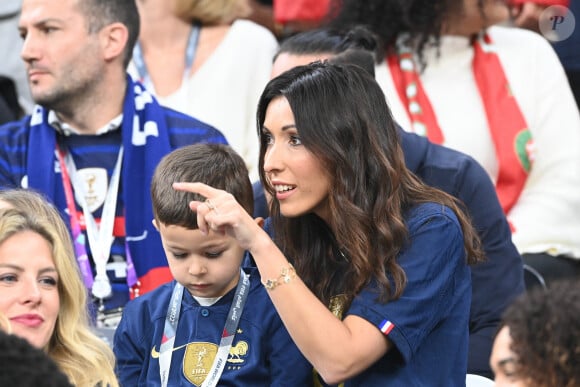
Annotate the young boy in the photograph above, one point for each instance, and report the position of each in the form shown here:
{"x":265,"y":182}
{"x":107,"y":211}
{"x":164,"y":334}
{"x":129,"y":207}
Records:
{"x":215,"y":322}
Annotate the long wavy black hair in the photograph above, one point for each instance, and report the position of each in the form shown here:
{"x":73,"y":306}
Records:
{"x":421,"y":20}
{"x":344,"y":121}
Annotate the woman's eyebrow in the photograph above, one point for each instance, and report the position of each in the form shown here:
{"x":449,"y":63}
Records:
{"x":285,"y":127}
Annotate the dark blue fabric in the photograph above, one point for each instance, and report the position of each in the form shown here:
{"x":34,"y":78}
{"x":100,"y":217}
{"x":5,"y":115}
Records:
{"x":431,"y":317}
{"x":272,"y":359}
{"x":495,"y":282}
{"x":568,"y":50}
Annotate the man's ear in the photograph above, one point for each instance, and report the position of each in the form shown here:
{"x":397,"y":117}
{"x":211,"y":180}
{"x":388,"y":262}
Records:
{"x":260,"y":221}
{"x":113,"y":38}
{"x":154,"y":222}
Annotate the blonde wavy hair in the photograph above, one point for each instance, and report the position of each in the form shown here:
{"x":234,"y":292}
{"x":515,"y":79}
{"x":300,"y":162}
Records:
{"x":211,"y":12}
{"x":79,"y":353}
{"x":5,"y":324}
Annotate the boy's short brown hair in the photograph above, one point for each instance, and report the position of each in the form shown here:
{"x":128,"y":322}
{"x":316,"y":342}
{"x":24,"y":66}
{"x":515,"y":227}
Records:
{"x":216,"y":165}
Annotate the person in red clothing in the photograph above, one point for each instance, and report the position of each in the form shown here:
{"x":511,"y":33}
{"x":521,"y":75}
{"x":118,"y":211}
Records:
{"x":288,"y":17}
{"x":526,"y":13}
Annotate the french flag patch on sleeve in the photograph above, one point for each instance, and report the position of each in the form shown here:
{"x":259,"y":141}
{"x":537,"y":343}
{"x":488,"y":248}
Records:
{"x":386,"y":327}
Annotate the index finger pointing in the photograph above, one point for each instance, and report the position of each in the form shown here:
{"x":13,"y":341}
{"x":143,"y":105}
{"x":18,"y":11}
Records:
{"x":199,"y":188}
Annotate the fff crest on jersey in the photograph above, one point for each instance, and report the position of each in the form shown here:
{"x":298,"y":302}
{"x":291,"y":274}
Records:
{"x":95,"y":183}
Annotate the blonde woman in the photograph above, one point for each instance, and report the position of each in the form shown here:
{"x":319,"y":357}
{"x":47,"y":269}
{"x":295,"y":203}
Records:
{"x":199,"y":57}
{"x":41,"y":291}
{"x":35,"y":203}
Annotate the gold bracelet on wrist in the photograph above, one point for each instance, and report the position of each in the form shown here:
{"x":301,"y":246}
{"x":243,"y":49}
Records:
{"x":287,"y":274}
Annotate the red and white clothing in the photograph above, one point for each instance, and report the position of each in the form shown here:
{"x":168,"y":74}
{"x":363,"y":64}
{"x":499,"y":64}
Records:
{"x":546,"y":216}
{"x":542,"y":2}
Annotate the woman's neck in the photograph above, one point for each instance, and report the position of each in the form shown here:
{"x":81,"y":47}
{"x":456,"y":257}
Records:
{"x":160,"y":27}
{"x":163,"y":40}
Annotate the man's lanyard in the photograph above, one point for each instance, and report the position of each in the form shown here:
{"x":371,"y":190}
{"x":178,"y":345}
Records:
{"x":77,"y":234}
{"x":139,"y":61}
{"x":100,"y":237}
{"x":232,"y":321}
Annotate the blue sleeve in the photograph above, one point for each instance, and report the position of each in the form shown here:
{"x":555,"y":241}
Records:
{"x":130,"y":355}
{"x":437,"y":281}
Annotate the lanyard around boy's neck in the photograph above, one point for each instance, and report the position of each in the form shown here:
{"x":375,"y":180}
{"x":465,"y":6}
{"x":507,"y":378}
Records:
{"x":232,"y":321}
{"x":139,"y":60}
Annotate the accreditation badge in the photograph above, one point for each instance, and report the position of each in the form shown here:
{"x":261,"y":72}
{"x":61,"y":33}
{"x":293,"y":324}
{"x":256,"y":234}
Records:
{"x":198,"y":360}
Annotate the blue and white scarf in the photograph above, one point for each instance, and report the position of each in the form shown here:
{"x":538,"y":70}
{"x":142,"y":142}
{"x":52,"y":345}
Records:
{"x":145,"y":141}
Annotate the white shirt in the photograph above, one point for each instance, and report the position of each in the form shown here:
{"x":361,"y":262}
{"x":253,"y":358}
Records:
{"x":546,"y":216}
{"x":225,"y":90}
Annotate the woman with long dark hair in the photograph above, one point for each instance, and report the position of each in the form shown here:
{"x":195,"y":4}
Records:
{"x":368,"y":268}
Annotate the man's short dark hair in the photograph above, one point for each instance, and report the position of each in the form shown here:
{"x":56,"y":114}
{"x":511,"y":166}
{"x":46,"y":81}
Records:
{"x":216,"y":165}
{"x":100,"y":13}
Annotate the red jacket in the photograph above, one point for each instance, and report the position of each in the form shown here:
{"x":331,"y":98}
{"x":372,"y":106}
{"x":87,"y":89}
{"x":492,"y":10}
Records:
{"x":300,"y":10}
{"x":544,"y":2}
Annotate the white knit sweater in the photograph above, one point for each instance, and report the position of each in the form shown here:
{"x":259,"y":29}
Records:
{"x":546,"y":217}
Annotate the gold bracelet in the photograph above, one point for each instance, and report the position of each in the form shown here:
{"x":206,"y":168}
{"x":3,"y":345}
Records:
{"x":287,"y":274}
